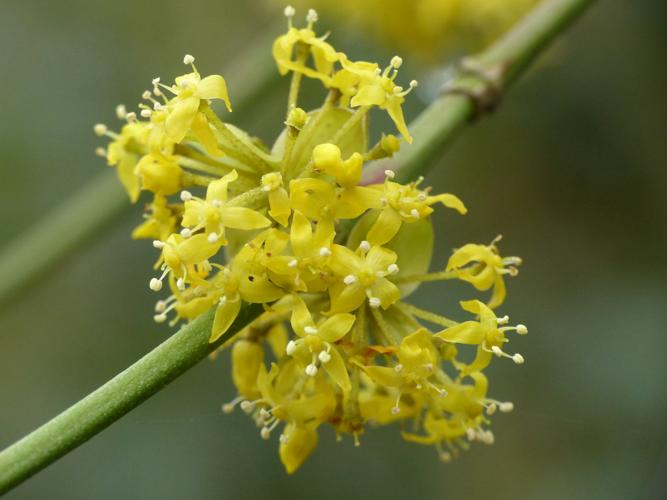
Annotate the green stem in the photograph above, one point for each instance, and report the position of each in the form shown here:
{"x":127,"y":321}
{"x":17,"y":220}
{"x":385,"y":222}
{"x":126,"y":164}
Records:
{"x":114,"y":399}
{"x":190,"y":345}
{"x":489,"y":75}
{"x":99,"y":202}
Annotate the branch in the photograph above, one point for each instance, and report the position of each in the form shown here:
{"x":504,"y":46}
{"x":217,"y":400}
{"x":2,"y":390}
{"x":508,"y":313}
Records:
{"x":435,"y":128}
{"x":478,"y":87}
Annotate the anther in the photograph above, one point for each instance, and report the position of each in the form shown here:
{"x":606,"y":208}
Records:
{"x":395,"y":410}
{"x":186,"y":233}
{"x":158,"y":244}
{"x":146,"y":94}
{"x":503,"y":321}
{"x":186,"y":195}
{"x":445,"y":456}
{"x":365,"y":246}
{"x":100,"y":129}
{"x":398,"y":368}
{"x":325,"y":252}
{"x":101,"y":152}
{"x":506,"y":406}
{"x":247,"y":406}
{"x":155,"y":284}
{"x":160,"y":306}
{"x":265,"y":433}
{"x":121,"y":111}
{"x":212,"y":238}
{"x":374,"y":302}
{"x":146,"y":113}
{"x":312,"y":16}
{"x":521,"y":329}
{"x":310,"y":330}
{"x":491,"y":409}
{"x":188,"y":59}
{"x":414,"y":213}
{"x":324,"y":357}
{"x":180,"y":284}
{"x":497,"y":350}
{"x":291,"y":347}
{"x":155,"y":81}
{"x":390,"y":174}
{"x":518,"y":359}
{"x":223,"y":300}
{"x":311,"y":370}
{"x":392,"y":269}
{"x":293,"y":263}
{"x":160,"y":318}
{"x":413,"y":84}
{"x":350,"y":279}
{"x":289,"y":11}
{"x":396,"y":62}
{"x":131,"y":116}
{"x":216,"y":203}
{"x":470,"y":434}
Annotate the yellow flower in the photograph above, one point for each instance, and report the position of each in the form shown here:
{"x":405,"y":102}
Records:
{"x":363,"y":277}
{"x":485,"y":333}
{"x":159,"y":174}
{"x":375,"y":88}
{"x":279,"y":204}
{"x":190,"y":91}
{"x":160,"y":224}
{"x":484,"y":268}
{"x":214,"y":214}
{"x":315,"y":345}
{"x":324,"y":55}
{"x":401,"y":204}
{"x":124,"y":153}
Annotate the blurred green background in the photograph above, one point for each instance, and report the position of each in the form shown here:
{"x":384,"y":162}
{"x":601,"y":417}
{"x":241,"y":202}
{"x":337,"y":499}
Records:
{"x":571,"y":171}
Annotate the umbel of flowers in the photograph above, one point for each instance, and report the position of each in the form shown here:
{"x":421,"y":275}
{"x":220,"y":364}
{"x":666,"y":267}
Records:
{"x":332,"y":261}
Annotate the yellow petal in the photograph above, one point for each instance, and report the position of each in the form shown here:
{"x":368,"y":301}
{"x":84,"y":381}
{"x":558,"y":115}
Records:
{"x":336,"y":327}
{"x":336,"y":369}
{"x":247,"y":357}
{"x":468,"y":332}
{"x":386,"y":291}
{"x":217,"y":190}
{"x":448,"y":200}
{"x":214,"y":87}
{"x":279,"y":206}
{"x":225,"y":315}
{"x":384,"y":375}
{"x":301,"y":317}
{"x":385,"y":228}
{"x":243,"y":218}
{"x":181,"y":114}
{"x":202,"y":131}
{"x":296,"y":448}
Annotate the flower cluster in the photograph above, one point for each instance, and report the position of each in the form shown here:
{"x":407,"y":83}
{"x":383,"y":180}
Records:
{"x":427,"y":27}
{"x":331,"y":260}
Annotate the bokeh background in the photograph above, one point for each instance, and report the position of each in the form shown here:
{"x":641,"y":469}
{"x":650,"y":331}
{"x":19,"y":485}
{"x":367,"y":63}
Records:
{"x":571,"y":170}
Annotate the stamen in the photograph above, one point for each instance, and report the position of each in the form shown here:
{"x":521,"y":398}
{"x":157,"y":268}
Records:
{"x":188,"y":59}
{"x":293,"y":263}
{"x":146,"y":113}
{"x":310,"y":330}
{"x":365,"y":246}
{"x":229,"y":407}
{"x":396,"y":408}
{"x":392,"y":269}
{"x":491,"y":409}
{"x":414,"y":213}
{"x":146,"y":94}
{"x":398,"y":368}
{"x":518,"y":359}
{"x":396,"y":62}
{"x":503,"y":321}
{"x":374,"y":302}
{"x":325,"y":252}
{"x":160,"y":318}
{"x":389,"y":174}
{"x":247,"y":406}
{"x":131,"y":117}
{"x":100,"y":129}
{"x":213,"y":238}
{"x":291,"y":347}
{"x":521,"y":329}
{"x":324,"y":357}
{"x":101,"y":152}
{"x":186,"y":233}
